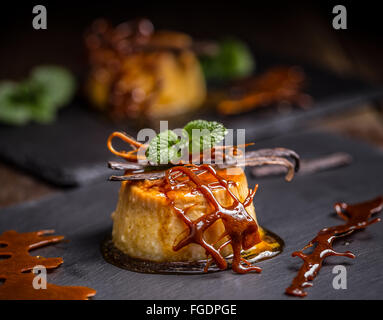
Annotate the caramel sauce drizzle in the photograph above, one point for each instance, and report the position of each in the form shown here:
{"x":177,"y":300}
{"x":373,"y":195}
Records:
{"x":280,"y":84}
{"x":357,"y":217}
{"x":240,"y":227}
{"x":16,"y":269}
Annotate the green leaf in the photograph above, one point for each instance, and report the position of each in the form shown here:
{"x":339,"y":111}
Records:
{"x":209,"y":132}
{"x":163,"y":148}
{"x":57,"y":85}
{"x":168,"y":147}
{"x":36,"y":98}
{"x":13,"y":111}
{"x":232,"y":60}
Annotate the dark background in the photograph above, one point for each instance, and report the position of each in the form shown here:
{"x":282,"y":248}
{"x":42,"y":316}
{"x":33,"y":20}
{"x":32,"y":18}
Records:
{"x":300,"y":30}
{"x":277,"y":26}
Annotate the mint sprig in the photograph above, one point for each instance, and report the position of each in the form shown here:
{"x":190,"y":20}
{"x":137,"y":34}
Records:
{"x":198,"y":135}
{"x":38,"y":97}
{"x":232,"y":60}
{"x":162,"y":149}
{"x":206,"y":134}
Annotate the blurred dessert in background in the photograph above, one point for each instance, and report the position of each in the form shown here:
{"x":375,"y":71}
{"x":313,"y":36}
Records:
{"x":137,"y":71}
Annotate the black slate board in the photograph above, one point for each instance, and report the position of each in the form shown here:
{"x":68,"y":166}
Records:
{"x":73,"y":150}
{"x":295,"y":211}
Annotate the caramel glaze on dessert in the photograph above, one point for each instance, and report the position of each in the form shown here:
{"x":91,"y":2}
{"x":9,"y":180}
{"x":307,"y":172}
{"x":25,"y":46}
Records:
{"x":240,"y":227}
{"x":249,"y":242}
{"x":357,"y":217}
{"x":16,"y":269}
{"x":202,"y":216}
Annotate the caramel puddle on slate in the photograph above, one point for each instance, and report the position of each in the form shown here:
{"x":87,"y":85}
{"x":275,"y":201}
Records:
{"x":357,"y":217}
{"x":16,"y":265}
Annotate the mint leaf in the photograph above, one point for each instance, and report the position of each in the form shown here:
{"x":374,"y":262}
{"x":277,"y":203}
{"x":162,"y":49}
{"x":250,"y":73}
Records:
{"x":12,"y":110}
{"x":36,"y":98}
{"x":168,"y":147}
{"x":163,"y":148}
{"x":206,"y":134}
{"x":57,"y":85}
{"x":233,"y":60}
